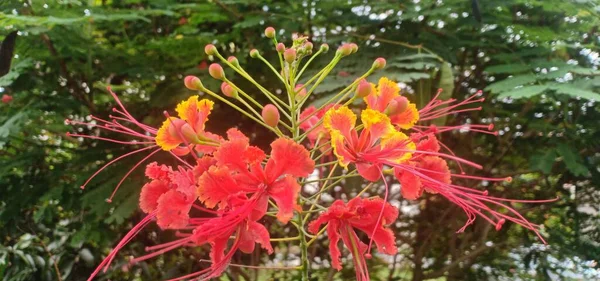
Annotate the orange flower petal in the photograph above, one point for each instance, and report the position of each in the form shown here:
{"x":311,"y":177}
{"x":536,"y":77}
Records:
{"x":406,"y":119}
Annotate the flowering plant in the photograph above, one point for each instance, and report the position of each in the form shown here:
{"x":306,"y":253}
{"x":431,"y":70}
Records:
{"x":223,"y":187}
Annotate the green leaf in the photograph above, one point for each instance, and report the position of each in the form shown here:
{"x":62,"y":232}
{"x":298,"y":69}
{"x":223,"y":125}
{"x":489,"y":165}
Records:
{"x":511,"y":83}
{"x":572,"y":159}
{"x":543,"y":161}
{"x":10,"y":126}
{"x":524,"y":92}
{"x":507,"y":68}
{"x":570,"y":90}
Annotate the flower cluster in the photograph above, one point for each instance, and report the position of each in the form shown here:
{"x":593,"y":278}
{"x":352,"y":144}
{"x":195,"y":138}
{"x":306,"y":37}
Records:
{"x":223,"y":188}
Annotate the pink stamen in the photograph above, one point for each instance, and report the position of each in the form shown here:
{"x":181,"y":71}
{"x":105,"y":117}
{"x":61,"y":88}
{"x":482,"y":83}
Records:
{"x":109,"y":200}
{"x":115,"y":160}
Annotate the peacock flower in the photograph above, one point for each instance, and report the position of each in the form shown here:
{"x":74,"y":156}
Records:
{"x":189,"y":128}
{"x":358,"y":214}
{"x":387,"y":93}
{"x":239,"y":169}
{"x":312,"y":125}
{"x":377,"y":143}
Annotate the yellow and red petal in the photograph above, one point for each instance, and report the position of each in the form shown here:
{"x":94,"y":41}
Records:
{"x":338,"y":142}
{"x":406,"y":119}
{"x":376,"y":123}
{"x":372,"y":99}
{"x":398,"y":145}
{"x":285,"y":194}
{"x":215,"y":186}
{"x":341,"y":119}
{"x":254,"y":233}
{"x":164,"y":139}
{"x":195,"y":112}
{"x":150,"y":194}
{"x":288,"y":158}
{"x":173,"y":210}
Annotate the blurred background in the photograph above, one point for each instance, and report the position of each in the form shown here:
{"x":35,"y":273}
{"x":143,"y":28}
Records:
{"x":536,"y":60}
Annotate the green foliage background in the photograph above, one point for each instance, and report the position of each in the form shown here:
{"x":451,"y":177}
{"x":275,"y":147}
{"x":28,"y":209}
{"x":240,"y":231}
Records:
{"x":536,"y":59}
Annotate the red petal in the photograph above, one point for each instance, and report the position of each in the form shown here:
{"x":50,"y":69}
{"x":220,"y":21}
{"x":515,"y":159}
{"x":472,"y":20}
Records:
{"x":334,"y":250}
{"x":435,"y":168}
{"x":202,"y":165}
{"x":158,"y":172}
{"x":173,"y":210}
{"x":411,"y":184}
{"x":215,"y":186}
{"x":231,"y":154}
{"x":217,"y":250}
{"x":235,"y":134}
{"x":150,"y":194}
{"x":429,"y":144}
{"x":369,"y":172}
{"x":255,"y":233}
{"x":185,"y":183}
{"x":285,"y":193}
{"x":288,"y":158}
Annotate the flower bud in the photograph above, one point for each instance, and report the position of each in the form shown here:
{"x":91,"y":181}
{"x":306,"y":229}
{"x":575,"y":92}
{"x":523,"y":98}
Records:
{"x":188,"y":133}
{"x":363,"y":89}
{"x":270,"y":32}
{"x":216,"y":71}
{"x":254,"y":53}
{"x":6,"y":98}
{"x":228,"y":90}
{"x":233,"y":60}
{"x":354,"y":47}
{"x":270,"y":115}
{"x":174,"y":128}
{"x":193,"y":83}
{"x":289,"y":55}
{"x":280,"y":47}
{"x":397,"y":106}
{"x":308,"y":45}
{"x":345,"y":50}
{"x":300,"y":93}
{"x":324,"y":48}
{"x":210,"y":49}
{"x":379,"y":63}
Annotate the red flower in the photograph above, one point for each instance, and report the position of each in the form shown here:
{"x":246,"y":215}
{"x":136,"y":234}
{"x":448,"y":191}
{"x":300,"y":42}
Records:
{"x":239,"y":169}
{"x":377,"y":143}
{"x":170,"y":193}
{"x":6,"y":98}
{"x":362,"y":214}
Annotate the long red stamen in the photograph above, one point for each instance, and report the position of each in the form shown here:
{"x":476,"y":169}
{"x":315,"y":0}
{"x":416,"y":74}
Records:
{"x":385,"y":197}
{"x":109,"y":200}
{"x":115,"y":160}
{"x":132,"y":233}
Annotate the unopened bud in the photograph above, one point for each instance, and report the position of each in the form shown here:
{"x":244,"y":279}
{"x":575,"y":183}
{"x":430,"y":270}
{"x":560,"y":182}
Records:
{"x":254,"y":53}
{"x":300,"y":93}
{"x":270,"y":115}
{"x":233,"y":60}
{"x":308,"y":45}
{"x":379,"y":63}
{"x":363,"y":89}
{"x":397,"y":106}
{"x":210,"y":49}
{"x":228,"y":90}
{"x":216,"y":71}
{"x":174,"y":128}
{"x":289,"y":55}
{"x":188,"y":133}
{"x":354,"y":47}
{"x":193,"y":83}
{"x":280,"y":47}
{"x":345,"y":50}
{"x":270,"y":32}
{"x":324,"y":48}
